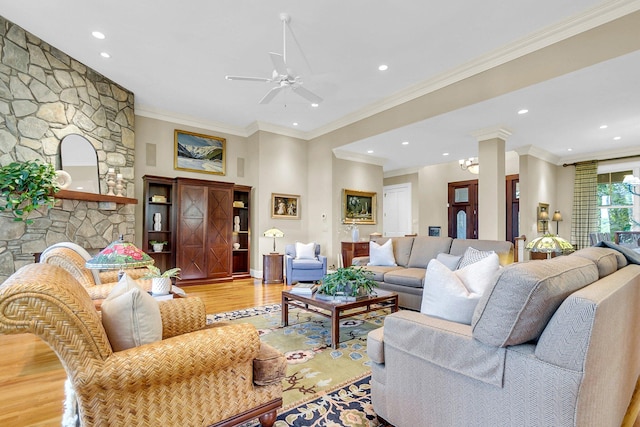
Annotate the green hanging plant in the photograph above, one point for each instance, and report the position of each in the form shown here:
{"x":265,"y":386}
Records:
{"x":26,"y":186}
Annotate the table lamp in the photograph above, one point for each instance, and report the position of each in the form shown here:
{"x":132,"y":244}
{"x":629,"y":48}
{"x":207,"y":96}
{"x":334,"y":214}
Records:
{"x":550,"y":244}
{"x":273,"y":232}
{"x":118,"y":256}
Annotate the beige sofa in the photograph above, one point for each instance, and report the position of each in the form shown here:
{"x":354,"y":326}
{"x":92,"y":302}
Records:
{"x":552,"y":343}
{"x":412,"y":254}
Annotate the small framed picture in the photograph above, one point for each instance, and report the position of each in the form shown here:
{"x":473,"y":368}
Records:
{"x":434,"y":230}
{"x":199,"y":153}
{"x":285,"y":206}
{"x":358,"y":207}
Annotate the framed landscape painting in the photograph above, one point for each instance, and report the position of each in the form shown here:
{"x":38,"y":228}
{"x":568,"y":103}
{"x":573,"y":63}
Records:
{"x":199,"y":153}
{"x":358,"y":207}
{"x":285,"y":206}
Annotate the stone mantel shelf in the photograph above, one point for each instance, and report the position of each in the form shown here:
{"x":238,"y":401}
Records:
{"x":93,"y":197}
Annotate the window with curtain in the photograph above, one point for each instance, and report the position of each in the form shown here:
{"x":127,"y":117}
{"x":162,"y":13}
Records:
{"x":615,"y":203}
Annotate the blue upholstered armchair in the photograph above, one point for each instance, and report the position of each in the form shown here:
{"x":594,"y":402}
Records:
{"x":304,"y":270}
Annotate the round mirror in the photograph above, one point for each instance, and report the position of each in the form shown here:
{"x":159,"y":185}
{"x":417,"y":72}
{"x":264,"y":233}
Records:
{"x":80,"y":160}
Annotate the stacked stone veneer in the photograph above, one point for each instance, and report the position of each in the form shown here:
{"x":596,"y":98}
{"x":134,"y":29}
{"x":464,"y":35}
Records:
{"x":44,"y":96}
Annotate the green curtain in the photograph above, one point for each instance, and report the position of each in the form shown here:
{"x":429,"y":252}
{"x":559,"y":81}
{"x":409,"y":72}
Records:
{"x":585,"y":203}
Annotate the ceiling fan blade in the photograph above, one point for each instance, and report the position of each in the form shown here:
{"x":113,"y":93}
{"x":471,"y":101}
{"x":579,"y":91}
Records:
{"x":306,"y":94}
{"x":271,"y":94}
{"x":252,"y":79}
{"x":278,"y":63}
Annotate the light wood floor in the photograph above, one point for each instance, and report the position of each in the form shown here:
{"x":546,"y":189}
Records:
{"x":32,"y":378}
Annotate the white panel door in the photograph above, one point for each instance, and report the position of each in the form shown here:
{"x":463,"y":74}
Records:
{"x":396,"y":207}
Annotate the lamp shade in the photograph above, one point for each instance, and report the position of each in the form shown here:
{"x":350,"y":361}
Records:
{"x":119,"y":255}
{"x":556,"y":216}
{"x":273,"y":232}
{"x":550,"y":243}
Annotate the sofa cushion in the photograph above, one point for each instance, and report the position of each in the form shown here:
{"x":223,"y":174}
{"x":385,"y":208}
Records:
{"x":306,"y":264}
{"x":130,"y":316}
{"x":504,"y":249}
{"x":607,"y":260}
{"x":381,"y":254}
{"x":451,"y":261}
{"x":453,"y":295}
{"x":411,"y":277}
{"x":426,"y":248}
{"x":473,"y":255}
{"x":380,"y":271}
{"x":524,"y":296}
{"x":401,"y":249}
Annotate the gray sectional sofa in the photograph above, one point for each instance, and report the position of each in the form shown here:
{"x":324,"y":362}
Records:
{"x":412,"y":254}
{"x":552,"y":343}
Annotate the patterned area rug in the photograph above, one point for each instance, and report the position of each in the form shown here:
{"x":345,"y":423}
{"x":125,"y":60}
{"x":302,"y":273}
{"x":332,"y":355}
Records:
{"x":323,"y":387}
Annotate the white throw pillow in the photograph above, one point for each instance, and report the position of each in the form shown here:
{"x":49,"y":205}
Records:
{"x":130,"y":316}
{"x":451,"y":261}
{"x":453,"y":295}
{"x":305,"y":250}
{"x":472,"y":255}
{"x":381,"y":255}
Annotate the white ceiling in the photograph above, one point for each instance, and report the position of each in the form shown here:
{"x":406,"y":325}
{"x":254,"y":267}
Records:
{"x":174,"y":56}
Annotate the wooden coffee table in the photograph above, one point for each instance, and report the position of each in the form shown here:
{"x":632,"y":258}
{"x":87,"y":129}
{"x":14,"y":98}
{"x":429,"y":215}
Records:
{"x":336,"y":310}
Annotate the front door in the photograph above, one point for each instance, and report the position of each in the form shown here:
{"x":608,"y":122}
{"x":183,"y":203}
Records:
{"x":463,"y":209}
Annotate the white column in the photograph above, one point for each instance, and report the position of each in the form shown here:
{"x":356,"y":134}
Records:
{"x":492,"y":216}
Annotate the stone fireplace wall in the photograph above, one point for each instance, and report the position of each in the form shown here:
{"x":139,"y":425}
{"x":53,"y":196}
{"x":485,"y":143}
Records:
{"x":44,"y":96}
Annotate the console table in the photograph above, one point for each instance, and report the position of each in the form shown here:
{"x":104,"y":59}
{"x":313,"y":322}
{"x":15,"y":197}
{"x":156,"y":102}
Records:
{"x":351,"y":250}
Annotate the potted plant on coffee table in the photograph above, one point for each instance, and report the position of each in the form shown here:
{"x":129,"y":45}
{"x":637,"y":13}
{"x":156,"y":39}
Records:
{"x":161,"y":282}
{"x":26,"y":186}
{"x":347,"y":284}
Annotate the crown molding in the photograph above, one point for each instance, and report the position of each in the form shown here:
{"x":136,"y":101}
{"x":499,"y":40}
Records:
{"x":401,"y":172}
{"x":167,"y":116}
{"x":602,"y":155}
{"x":577,"y":24}
{"x":280,"y":130}
{"x":492,"y":133}
{"x":532,"y":150}
{"x":357,"y":157}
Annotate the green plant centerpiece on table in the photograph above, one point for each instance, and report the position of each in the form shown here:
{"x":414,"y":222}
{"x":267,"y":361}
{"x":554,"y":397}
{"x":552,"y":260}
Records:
{"x":161,"y":282}
{"x":26,"y":186}
{"x":348,"y":282}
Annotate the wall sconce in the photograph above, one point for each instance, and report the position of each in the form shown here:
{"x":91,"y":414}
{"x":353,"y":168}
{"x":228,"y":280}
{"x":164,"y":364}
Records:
{"x":543,"y":217}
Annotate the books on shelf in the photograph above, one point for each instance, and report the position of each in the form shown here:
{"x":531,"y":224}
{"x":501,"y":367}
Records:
{"x":304,"y":288}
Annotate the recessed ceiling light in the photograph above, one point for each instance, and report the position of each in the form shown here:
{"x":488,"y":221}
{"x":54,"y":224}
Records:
{"x":295,"y":123}
{"x":383,"y":67}
{"x":604,"y":127}
{"x":98,"y":35}
{"x":617,"y":138}
{"x":405,"y":142}
{"x":523,"y":111}
{"x":445,"y":154}
{"x":569,"y":149}
{"x":315,"y":105}
{"x":369,"y":151}
{"x":105,"y":55}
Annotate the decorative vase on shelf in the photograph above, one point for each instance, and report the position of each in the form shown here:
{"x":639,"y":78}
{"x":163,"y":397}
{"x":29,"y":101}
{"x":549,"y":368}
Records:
{"x":236,"y":223}
{"x":236,"y":246}
{"x":157,"y":221}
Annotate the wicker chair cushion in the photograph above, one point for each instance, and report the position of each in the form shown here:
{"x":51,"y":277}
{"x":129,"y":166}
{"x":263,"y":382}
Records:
{"x":269,"y":367}
{"x":130,"y":316}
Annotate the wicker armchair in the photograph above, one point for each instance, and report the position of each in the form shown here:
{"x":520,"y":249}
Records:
{"x":195,"y":376}
{"x":73,"y":262}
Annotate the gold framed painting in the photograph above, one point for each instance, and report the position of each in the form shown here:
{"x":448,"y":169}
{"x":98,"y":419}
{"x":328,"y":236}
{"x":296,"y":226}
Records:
{"x":358,"y":207}
{"x":285,"y":206}
{"x":199,"y":153}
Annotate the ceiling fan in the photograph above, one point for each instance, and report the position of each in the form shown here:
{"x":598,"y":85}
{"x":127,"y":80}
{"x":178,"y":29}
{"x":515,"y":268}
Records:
{"x":281,"y":75}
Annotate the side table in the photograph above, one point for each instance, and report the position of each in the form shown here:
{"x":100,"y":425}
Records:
{"x":272,"y":268}
{"x":351,"y":250}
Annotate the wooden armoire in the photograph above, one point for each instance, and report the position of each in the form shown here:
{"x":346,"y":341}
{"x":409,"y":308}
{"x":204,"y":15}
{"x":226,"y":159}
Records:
{"x":204,"y":231}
